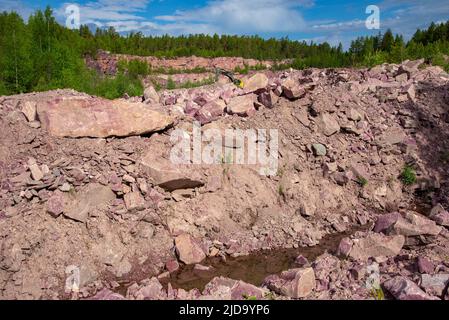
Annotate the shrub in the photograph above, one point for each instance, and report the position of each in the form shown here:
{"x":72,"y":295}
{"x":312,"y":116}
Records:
{"x":408,"y":175}
{"x":362,"y":181}
{"x":171,"y":84}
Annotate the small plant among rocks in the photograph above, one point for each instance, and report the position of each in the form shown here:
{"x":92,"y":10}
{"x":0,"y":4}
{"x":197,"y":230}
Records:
{"x":270,"y":296}
{"x":362,"y":181}
{"x":408,"y":176}
{"x":378,"y":294}
{"x":248,"y":297}
{"x":281,"y":191}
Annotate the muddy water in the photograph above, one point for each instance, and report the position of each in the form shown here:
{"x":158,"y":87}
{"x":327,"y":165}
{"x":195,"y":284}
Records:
{"x":254,"y":267}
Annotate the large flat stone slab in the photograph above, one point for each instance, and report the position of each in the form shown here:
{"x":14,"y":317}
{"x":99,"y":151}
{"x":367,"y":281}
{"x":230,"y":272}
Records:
{"x":99,"y":118}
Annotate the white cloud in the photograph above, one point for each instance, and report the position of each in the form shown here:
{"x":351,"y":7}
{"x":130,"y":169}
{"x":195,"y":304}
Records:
{"x":237,"y":16}
{"x":17,"y":6}
{"x":105,"y":11}
{"x":216,"y":16}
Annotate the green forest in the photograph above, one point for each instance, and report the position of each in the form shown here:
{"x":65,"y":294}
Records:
{"x":40,"y":54}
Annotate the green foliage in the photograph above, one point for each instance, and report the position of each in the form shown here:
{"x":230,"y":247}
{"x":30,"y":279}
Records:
{"x":269,"y":295}
{"x":281,"y":191}
{"x":240,"y":70}
{"x":377,"y":294}
{"x":248,"y":297}
{"x":41,"y":54}
{"x":171,"y":84}
{"x":408,"y":175}
{"x":362,"y":181}
{"x":195,"y":84}
{"x":173,"y":71}
{"x":134,"y":68}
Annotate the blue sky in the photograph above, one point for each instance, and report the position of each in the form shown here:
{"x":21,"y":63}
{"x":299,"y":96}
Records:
{"x":333,"y":21}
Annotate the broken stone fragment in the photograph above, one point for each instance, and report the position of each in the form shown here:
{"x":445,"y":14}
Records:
{"x":344,"y":247}
{"x":188,"y":250}
{"x":36,"y":172}
{"x":390,"y":137}
{"x":411,"y":224}
{"x":150,"y":289}
{"x":256,"y":83}
{"x":411,"y":93}
{"x":359,"y":172}
{"x":376,"y":245}
{"x":56,"y":203}
{"x":440,"y":215}
{"x":242,"y":105}
{"x":294,"y":283}
{"x":424,"y":265}
{"x":230,"y":289}
{"x":134,"y":201}
{"x":327,"y":124}
{"x":268,"y":99}
{"x":28,"y":108}
{"x":172,"y":266}
{"x":385,"y":221}
{"x":170,"y":176}
{"x":319,"y":149}
{"x":87,"y":199}
{"x":292,"y":89}
{"x":354,"y":115}
{"x":403,"y":288}
{"x":301,"y":261}
{"x":403,"y":77}
{"x":151,"y":96}
{"x":436,"y":283}
{"x":211,"y":111}
{"x":99,"y":118}
{"x":106,"y":294}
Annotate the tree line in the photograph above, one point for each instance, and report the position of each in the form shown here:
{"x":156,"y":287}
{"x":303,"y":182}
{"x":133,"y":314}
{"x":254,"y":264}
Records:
{"x":41,"y":54}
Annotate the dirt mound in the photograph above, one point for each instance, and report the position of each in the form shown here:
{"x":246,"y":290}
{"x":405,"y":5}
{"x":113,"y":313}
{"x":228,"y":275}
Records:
{"x":109,"y":217}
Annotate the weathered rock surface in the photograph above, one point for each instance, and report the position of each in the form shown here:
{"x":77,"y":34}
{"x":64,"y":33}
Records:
{"x":294,"y":283}
{"x":376,"y":245}
{"x":292,"y":89}
{"x":229,"y":289}
{"x":440,"y":215}
{"x":405,"y":289}
{"x":188,"y":249}
{"x":412,"y":224}
{"x":242,"y":105}
{"x":327,"y":124}
{"x":151,"y":96}
{"x":99,"y":118}
{"x":256,"y":83}
{"x":170,"y":176}
{"x":79,"y":206}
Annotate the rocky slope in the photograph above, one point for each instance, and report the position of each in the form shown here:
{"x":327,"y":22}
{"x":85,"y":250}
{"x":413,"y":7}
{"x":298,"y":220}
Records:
{"x":106,"y":63}
{"x":92,"y":207}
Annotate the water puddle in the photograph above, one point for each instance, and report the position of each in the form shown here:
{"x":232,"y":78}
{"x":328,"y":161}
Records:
{"x":255,"y":267}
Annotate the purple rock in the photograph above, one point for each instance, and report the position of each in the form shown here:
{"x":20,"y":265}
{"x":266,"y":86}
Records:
{"x":106,"y":294}
{"x":403,"y":288}
{"x":385,"y":221}
{"x":344,"y":247}
{"x":425,"y":265}
{"x":301,"y":260}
